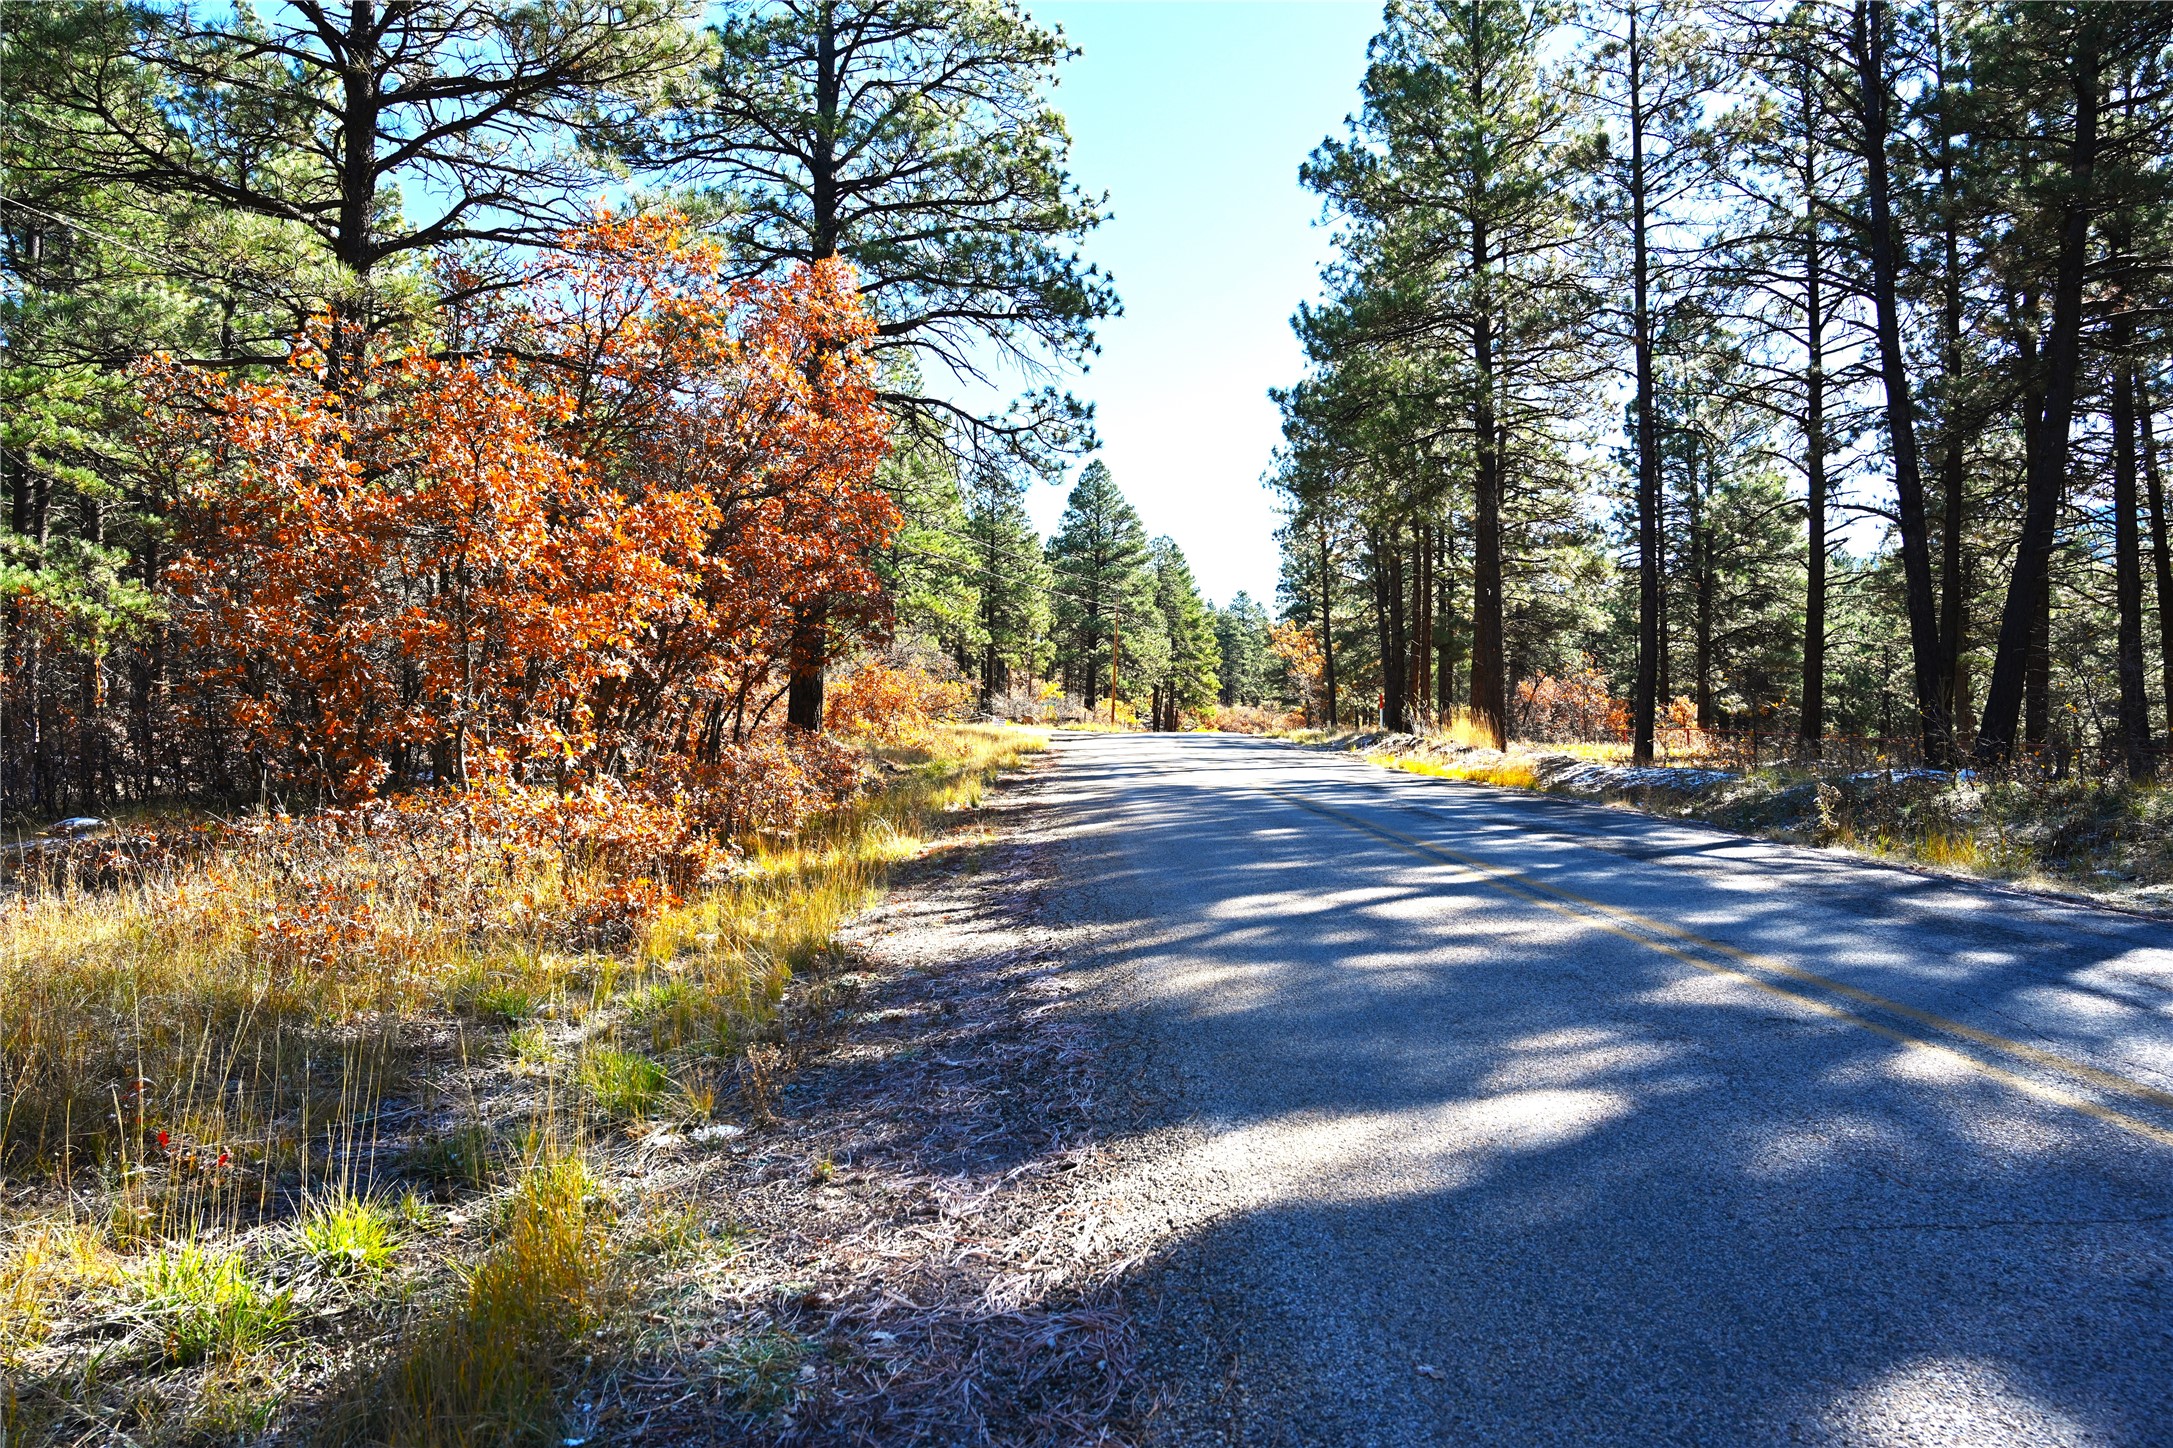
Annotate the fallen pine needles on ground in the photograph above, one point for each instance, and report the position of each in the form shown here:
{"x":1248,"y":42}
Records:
{"x":916,"y":1253}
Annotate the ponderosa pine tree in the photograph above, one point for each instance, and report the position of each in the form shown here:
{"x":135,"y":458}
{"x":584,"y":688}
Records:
{"x":1248,"y":664}
{"x":1786,"y":275}
{"x":2054,"y":71}
{"x":1651,"y":70}
{"x":1943,"y":197}
{"x":1189,"y":673}
{"x":929,"y":567}
{"x":1874,"y":117}
{"x":1457,"y":167}
{"x":1097,"y":557}
{"x":1732,"y":576}
{"x":1316,"y":579}
{"x":1011,"y":579}
{"x":915,"y":139}
{"x":381,"y":131}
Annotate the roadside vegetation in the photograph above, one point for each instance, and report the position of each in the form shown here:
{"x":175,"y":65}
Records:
{"x":1799,"y":369}
{"x":465,"y":647}
{"x":334,"y":1124}
{"x":2102,"y":835}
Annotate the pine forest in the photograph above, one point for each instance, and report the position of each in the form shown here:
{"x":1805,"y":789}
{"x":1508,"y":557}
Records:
{"x":601,"y":702}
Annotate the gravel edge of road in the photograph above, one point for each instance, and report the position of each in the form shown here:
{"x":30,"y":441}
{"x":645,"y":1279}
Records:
{"x":917,"y":1256}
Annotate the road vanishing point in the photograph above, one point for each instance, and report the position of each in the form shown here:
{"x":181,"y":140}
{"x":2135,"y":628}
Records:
{"x":1497,"y":1118}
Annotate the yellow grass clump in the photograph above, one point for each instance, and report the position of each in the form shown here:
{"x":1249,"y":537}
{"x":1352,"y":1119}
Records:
{"x":1502,"y":773}
{"x":46,"y":1266}
{"x":1948,"y":850}
{"x":484,"y":1368}
{"x":1463,"y":732}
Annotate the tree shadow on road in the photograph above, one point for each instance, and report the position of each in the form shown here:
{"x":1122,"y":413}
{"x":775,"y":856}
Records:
{"x":1461,"y":1168}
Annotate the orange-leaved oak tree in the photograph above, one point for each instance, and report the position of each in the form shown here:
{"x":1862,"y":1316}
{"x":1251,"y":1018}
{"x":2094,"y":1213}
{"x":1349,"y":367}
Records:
{"x":757,"y":397}
{"x":561,"y":533}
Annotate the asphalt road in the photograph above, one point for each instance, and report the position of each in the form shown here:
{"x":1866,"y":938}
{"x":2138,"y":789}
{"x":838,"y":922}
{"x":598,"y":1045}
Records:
{"x":1502,"y":1119}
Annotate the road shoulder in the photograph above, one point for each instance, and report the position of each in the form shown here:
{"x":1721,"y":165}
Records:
{"x":913,"y":1255}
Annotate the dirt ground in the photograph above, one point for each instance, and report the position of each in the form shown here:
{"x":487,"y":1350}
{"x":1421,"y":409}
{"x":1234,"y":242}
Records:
{"x":913,"y":1251}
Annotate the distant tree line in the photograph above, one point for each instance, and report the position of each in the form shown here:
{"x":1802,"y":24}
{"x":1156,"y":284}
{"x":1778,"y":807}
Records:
{"x":1097,"y":611}
{"x":1805,"y":363}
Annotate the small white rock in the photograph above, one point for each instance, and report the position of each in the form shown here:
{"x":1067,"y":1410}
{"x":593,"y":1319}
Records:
{"x":721,"y":1131}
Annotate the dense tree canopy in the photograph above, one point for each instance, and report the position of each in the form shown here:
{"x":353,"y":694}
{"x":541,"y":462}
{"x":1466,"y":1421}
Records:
{"x":915,"y":138}
{"x":1795,"y":363}
{"x":352,"y":440}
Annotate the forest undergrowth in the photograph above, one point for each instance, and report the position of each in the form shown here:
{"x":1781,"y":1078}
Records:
{"x":335,"y":1125}
{"x":2108,"y":837}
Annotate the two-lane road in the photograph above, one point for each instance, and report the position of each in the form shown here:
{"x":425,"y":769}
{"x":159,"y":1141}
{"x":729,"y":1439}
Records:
{"x":1513,"y":1120}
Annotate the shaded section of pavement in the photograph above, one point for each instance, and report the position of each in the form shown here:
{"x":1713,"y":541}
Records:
{"x":1493,"y":1126}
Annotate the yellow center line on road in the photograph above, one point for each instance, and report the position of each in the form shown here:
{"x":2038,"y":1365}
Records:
{"x":1640,"y":929}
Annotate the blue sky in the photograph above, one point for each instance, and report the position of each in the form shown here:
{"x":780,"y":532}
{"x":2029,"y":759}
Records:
{"x":1194,"y":116}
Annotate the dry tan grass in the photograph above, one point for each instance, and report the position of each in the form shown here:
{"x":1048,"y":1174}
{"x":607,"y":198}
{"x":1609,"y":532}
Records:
{"x":485,"y":1366}
{"x":2107,"y":837}
{"x":202,"y":1055}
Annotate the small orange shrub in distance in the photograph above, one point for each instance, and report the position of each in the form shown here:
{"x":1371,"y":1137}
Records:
{"x":1299,"y":649}
{"x":1252,"y":719}
{"x":1678,"y":732}
{"x":885,"y":702}
{"x":1575,"y":709}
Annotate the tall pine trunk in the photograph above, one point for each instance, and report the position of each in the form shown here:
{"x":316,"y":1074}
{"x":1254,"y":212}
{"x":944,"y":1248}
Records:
{"x":2128,"y":568}
{"x":362,"y":83}
{"x":1701,"y":599}
{"x":1644,"y":694}
{"x":1327,"y":627}
{"x":2037,"y":673}
{"x":1812,"y":723}
{"x":1422,"y":617}
{"x":1388,"y":568}
{"x":1445,"y":630}
{"x":810,"y":655}
{"x":2027,"y":592}
{"x":1930,"y":670}
{"x":1489,"y":712}
{"x":1488,"y":715}
{"x":2161,"y":549}
{"x":1953,"y":479}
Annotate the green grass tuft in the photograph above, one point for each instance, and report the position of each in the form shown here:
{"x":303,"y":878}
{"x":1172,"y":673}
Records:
{"x":624,"y":1084}
{"x":206,"y":1305}
{"x":507,"y":1004}
{"x":346,"y":1234}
